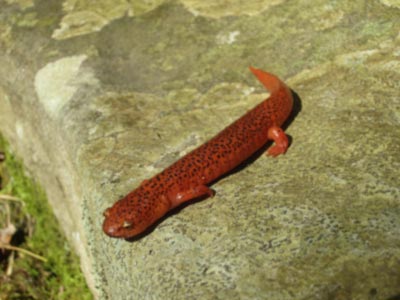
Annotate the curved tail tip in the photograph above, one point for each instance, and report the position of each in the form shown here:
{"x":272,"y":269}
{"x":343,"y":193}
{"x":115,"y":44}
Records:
{"x":259,"y":73}
{"x":253,"y":70}
{"x":270,"y":81}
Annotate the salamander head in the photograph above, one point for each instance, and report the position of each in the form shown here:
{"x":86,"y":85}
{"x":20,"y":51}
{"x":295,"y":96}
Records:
{"x":121,"y":223}
{"x":133,"y":214}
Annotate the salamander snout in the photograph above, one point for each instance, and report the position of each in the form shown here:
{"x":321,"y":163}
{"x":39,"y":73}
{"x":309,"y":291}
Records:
{"x":106,"y":213}
{"x":122,"y":222}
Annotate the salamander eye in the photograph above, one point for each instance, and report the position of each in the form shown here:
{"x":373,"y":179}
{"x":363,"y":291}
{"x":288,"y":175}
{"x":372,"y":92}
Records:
{"x":127,"y":224}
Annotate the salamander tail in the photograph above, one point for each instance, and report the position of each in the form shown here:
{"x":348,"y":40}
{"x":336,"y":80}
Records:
{"x":270,"y":81}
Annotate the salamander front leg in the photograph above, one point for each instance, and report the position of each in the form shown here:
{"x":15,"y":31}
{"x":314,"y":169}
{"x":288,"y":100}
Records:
{"x":276,"y":134}
{"x":192,"y":193}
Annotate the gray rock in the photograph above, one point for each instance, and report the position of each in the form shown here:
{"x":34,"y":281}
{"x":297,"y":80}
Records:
{"x":98,"y":97}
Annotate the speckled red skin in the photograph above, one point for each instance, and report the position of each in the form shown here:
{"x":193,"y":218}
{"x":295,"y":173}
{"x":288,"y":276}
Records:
{"x":188,"y":178}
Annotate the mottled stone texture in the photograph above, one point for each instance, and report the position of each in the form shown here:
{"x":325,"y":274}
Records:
{"x":97,"y":97}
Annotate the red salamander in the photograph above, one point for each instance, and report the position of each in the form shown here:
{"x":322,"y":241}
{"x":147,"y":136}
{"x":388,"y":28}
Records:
{"x":189,"y":177}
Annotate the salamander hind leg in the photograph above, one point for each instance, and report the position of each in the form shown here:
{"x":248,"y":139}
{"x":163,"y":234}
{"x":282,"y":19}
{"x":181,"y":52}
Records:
{"x":281,"y":141}
{"x":192,"y":193}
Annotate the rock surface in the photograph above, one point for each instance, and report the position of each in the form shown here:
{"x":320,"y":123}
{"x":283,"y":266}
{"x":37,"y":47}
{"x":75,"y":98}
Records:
{"x":96,"y":97}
